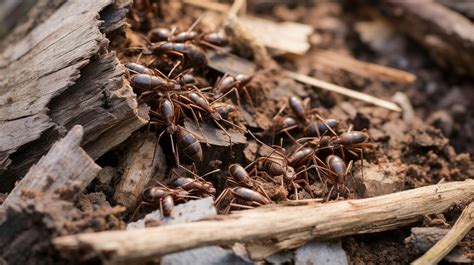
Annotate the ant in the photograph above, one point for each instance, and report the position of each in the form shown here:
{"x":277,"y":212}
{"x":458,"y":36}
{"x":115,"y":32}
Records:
{"x":251,"y":197}
{"x":196,"y":184}
{"x":279,"y":164}
{"x":303,"y":118}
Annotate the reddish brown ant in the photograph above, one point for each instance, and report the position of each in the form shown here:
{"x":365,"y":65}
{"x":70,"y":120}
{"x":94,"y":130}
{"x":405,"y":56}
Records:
{"x":339,"y":170}
{"x":163,"y":196}
{"x":224,"y":109}
{"x":138,"y":68}
{"x":303,"y":119}
{"x":278,"y":164}
{"x":195,"y":56}
{"x":189,"y":145}
{"x":195,"y":184}
{"x":250,"y":197}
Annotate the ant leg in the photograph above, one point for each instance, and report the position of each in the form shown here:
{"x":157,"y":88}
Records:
{"x":262,"y":190}
{"x":162,"y":215}
{"x":195,"y":23}
{"x":146,"y":93}
{"x":262,"y":143}
{"x":226,"y":133}
{"x":330,"y":192}
{"x":228,"y":208}
{"x":291,"y":137}
{"x":296,"y":190}
{"x":176,"y":151}
{"x":224,"y":95}
{"x":211,"y":172}
{"x":172,"y":69}
{"x":221,"y":197}
{"x":241,"y":206}
{"x":307,"y":185}
{"x":325,"y":124}
{"x":249,"y":98}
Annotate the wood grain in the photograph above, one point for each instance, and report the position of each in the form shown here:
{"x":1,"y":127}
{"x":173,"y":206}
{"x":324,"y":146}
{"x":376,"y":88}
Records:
{"x":60,"y":74}
{"x":65,"y":170}
{"x":289,"y":226}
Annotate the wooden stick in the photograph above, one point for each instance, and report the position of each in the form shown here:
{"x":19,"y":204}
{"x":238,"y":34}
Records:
{"x":460,"y":229}
{"x":274,"y":223}
{"x":343,"y":91}
{"x":365,"y":69}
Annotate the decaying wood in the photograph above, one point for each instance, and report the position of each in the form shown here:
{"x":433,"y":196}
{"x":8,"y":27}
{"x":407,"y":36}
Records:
{"x":447,"y":35}
{"x":287,"y":225}
{"x":208,"y":134}
{"x":66,"y":170}
{"x":245,"y":40}
{"x":29,"y":226}
{"x":230,"y":63}
{"x":422,"y":239}
{"x":60,"y":75}
{"x":462,"y":226}
{"x":365,"y":69}
{"x":142,"y":159}
{"x":284,"y":37}
{"x":33,"y":213}
{"x":344,"y":91}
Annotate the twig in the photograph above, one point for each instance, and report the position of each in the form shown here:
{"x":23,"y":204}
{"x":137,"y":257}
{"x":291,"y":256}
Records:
{"x":237,"y":6}
{"x":365,"y":69}
{"x":297,"y":224}
{"x":343,"y":91}
{"x":462,"y":226}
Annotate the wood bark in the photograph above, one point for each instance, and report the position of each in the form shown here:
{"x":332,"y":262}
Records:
{"x":32,"y":213}
{"x":143,"y":159}
{"x":448,"y":36}
{"x":65,"y":170}
{"x":29,"y":226}
{"x":287,"y":226}
{"x":58,"y":75}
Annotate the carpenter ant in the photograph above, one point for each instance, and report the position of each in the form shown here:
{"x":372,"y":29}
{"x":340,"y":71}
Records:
{"x":195,"y":56}
{"x":199,"y":101}
{"x":224,"y":108}
{"x":251,"y":197}
{"x":138,"y":68}
{"x":208,"y":39}
{"x":189,"y":145}
{"x":340,"y":170}
{"x":318,"y":128}
{"x":278,"y":164}
{"x":163,"y":196}
{"x":195,"y":184}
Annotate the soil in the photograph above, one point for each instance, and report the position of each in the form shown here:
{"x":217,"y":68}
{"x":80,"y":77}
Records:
{"x":434,"y":146}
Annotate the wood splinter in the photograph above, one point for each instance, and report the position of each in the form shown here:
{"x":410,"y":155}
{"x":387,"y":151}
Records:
{"x":343,"y":91}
